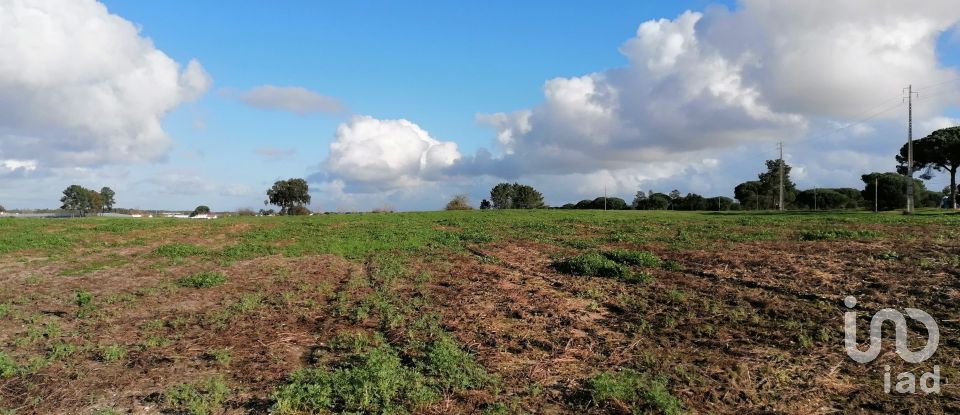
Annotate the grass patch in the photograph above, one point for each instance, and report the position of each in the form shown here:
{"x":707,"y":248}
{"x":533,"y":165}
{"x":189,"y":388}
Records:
{"x":179,"y":250}
{"x":637,"y":390}
{"x":452,"y":367}
{"x":377,"y":382}
{"x":201,"y":398}
{"x":111,"y":353}
{"x":205,"y":279}
{"x":833,"y":234}
{"x":636,"y":258}
{"x":592,"y":264}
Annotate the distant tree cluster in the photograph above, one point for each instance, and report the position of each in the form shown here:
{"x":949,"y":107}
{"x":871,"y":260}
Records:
{"x":515,"y":196}
{"x":84,"y":201}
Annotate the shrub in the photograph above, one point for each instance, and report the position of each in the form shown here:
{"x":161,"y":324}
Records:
{"x":298,"y":211}
{"x":592,"y":264}
{"x":635,"y":389}
{"x":639,"y":258}
{"x":459,"y":202}
{"x":246,"y":212}
{"x":202,"y":280}
{"x":201,"y":398}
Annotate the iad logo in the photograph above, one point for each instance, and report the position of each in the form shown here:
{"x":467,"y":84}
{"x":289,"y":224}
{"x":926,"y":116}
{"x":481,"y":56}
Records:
{"x":906,"y":381}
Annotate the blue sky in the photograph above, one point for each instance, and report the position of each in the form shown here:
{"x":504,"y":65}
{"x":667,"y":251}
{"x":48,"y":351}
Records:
{"x":442,"y":65}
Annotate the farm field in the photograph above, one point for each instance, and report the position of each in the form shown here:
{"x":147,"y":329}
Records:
{"x":490,"y":312}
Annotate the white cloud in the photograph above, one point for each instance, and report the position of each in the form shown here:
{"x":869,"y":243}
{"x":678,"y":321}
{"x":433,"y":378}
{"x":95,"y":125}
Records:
{"x":293,"y":99}
{"x":80,"y":86}
{"x":714,"y":80}
{"x":374,"y":155}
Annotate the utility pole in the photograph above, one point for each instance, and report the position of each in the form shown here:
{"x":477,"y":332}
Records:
{"x":909,"y":90}
{"x":780,"y":145}
{"x":604,"y":198}
{"x":876,"y":191}
{"x":814,"y":198}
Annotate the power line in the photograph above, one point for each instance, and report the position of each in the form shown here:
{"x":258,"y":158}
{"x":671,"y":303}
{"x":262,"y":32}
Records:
{"x":956,"y":79}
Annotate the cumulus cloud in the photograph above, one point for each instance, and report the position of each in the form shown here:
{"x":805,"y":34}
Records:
{"x":718,"y":79}
{"x":298,"y":100}
{"x":370,"y":154}
{"x":80,"y":86}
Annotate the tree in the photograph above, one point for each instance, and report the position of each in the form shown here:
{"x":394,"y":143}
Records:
{"x":658,"y":201}
{"x":78,"y":199}
{"x":2,"y":209}
{"x":96,"y":202}
{"x":691,"y":201}
{"x":200,"y":210}
{"x":748,"y":194}
{"x":485,"y":204}
{"x":890,"y":190}
{"x":770,"y":183}
{"x":459,"y":202}
{"x":939,"y":151}
{"x":719,"y":203}
{"x":526,"y":197}
{"x":108,"y":198}
{"x":515,"y":196}
{"x":674,"y":198}
{"x":640,"y":200}
{"x":501,"y":195}
{"x":288,"y":194}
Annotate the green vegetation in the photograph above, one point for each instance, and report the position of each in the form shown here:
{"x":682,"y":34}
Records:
{"x":205,"y":279}
{"x":112,"y":352}
{"x":638,"y":258}
{"x":202,"y":398}
{"x":634,"y":389}
{"x":179,"y":250}
{"x":592,"y":264}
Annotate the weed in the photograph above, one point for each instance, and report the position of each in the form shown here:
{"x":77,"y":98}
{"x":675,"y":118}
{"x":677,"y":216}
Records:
{"x":8,"y":367}
{"x":637,"y":258}
{"x":376,"y":382}
{"x":635,"y":389}
{"x":453,"y":368}
{"x":111,"y":353}
{"x":221,"y":356}
{"x":591,"y":264}
{"x":201,"y":398}
{"x":179,"y":250}
{"x":206,"y":279}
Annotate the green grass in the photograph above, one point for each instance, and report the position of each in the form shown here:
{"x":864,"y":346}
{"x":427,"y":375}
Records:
{"x":637,"y":258}
{"x":112,"y":352}
{"x":206,"y":279}
{"x":201,"y":398}
{"x":376,"y":383}
{"x":179,"y":250}
{"x":634,"y":389}
{"x":452,"y":368}
{"x":592,"y":264}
